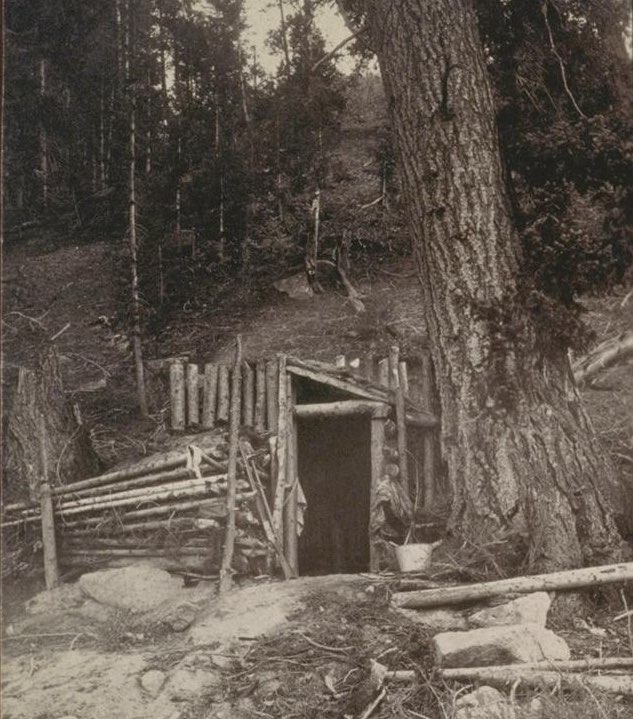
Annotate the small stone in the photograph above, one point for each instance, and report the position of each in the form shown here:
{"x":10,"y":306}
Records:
{"x":185,"y":685}
{"x":530,"y":609}
{"x":509,"y":644}
{"x":536,"y":707}
{"x":484,"y":703}
{"x":152,"y":681}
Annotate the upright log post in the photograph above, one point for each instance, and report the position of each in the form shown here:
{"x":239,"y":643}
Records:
{"x":280,"y":486}
{"x":223,"y":394}
{"x":272,"y":395}
{"x":401,"y":422}
{"x":177,"y":396}
{"x":51,"y":569}
{"x":430,"y":439}
{"x":377,"y":443}
{"x":340,"y":361}
{"x":209,"y":394}
{"x":193,"y":395}
{"x":248,"y":392}
{"x":229,"y":542}
{"x":290,"y":507}
{"x":383,"y":372}
{"x":393,"y":362}
{"x":403,"y":374}
{"x":260,"y":396}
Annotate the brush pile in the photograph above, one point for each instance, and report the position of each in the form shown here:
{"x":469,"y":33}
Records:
{"x":169,"y":509}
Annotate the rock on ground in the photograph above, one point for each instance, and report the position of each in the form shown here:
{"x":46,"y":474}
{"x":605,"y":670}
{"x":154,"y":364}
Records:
{"x":138,"y":588}
{"x":508,"y":644}
{"x":484,"y":703}
{"x":529,"y":609}
{"x":441,"y":620}
{"x":152,"y":681}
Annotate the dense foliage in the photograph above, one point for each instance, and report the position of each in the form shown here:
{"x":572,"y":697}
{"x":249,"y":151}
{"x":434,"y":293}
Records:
{"x":562,"y":76}
{"x":228,"y":159}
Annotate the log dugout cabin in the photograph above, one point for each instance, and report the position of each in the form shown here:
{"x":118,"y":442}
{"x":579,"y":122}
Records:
{"x":355,"y":448}
{"x":334,"y":461}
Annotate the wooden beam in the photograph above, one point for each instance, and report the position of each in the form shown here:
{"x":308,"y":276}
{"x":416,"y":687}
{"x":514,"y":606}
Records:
{"x":272,"y":395}
{"x":49,"y":542}
{"x":343,"y":408}
{"x":570,"y":579}
{"x":260,"y":396}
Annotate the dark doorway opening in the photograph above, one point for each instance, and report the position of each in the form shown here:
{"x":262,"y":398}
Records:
{"x":334,"y":468}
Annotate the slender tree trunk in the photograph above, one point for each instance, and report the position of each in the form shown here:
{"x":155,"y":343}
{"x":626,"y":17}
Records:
{"x":43,"y":137}
{"x":2,"y":61}
{"x":136,"y":303}
{"x":284,"y":35}
{"x":102,"y":165}
{"x":521,"y":454}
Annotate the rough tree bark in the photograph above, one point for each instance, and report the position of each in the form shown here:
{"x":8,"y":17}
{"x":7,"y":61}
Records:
{"x":521,"y":454}
{"x":68,"y":448}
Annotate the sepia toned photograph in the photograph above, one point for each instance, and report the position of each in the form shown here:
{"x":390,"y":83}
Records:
{"x":317,"y":359}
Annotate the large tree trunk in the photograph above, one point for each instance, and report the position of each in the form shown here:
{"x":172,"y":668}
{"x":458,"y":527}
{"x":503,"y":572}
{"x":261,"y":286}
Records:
{"x":520,"y":449}
{"x":68,"y":448}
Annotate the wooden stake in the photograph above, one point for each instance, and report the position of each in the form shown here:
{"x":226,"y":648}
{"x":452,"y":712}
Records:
{"x":383,"y":372}
{"x":229,"y":543}
{"x":223,"y":394}
{"x":177,"y":396}
{"x":430,"y":439}
{"x":291,"y":507}
{"x":272,"y":394}
{"x":393,"y":361}
{"x":570,"y":579}
{"x":260,"y":396}
{"x":401,"y":424}
{"x":248,"y":392}
{"x":282,"y":423}
{"x":193,"y":395}
{"x":340,"y":361}
{"x":209,"y":393}
{"x":377,"y":458}
{"x":51,"y":568}
{"x":403,"y":375}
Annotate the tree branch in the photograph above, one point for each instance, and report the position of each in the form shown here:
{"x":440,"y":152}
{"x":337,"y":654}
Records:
{"x":341,"y":44}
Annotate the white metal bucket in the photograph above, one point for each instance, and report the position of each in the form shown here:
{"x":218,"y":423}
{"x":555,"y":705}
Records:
{"x":414,"y":557}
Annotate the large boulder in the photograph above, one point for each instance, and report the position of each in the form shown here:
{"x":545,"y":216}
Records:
{"x":528,"y":609}
{"x":138,"y":588}
{"x":510,"y":644}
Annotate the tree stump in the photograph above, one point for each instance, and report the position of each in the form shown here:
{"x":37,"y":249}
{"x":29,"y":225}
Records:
{"x":68,"y":446}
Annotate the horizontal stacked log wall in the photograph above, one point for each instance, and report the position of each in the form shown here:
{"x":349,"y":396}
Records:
{"x":173,"y":518}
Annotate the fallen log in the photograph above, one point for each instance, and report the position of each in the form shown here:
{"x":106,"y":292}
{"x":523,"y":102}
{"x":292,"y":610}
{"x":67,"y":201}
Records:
{"x":613,"y":683}
{"x":610,"y":352}
{"x":473,"y":673}
{"x":570,"y":579}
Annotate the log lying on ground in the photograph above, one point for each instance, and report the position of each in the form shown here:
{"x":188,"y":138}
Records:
{"x":570,"y":579}
{"x":610,"y":352}
{"x":613,"y":683}
{"x":476,"y":673}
